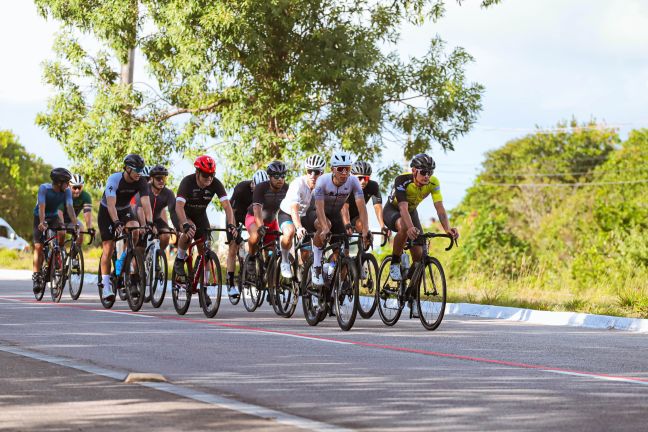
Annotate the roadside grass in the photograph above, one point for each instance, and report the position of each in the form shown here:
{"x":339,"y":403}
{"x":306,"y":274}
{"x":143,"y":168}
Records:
{"x":15,"y":260}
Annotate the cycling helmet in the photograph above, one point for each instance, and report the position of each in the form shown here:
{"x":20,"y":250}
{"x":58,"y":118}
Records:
{"x":134,"y":161}
{"x":276,"y":167}
{"x":146,"y":172}
{"x":361,"y":168}
{"x":60,"y":175}
{"x":315,"y":162}
{"x":260,"y":176}
{"x":205,"y":164}
{"x":341,"y":158}
{"x":77,"y":180}
{"x":423,"y":161}
{"x":158,"y":170}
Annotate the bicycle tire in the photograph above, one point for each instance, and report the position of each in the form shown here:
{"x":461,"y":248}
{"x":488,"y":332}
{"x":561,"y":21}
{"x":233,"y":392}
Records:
{"x":345,"y":294}
{"x":389,"y":307}
{"x":79,"y":272}
{"x":212,"y":270}
{"x":40,"y":293}
{"x":251,"y":289}
{"x":57,"y":278}
{"x":134,"y":277}
{"x":313,"y":314}
{"x":287,"y":291}
{"x":367,"y":287}
{"x":238,"y":279}
{"x":107,"y":304}
{"x":430,"y":286}
{"x":181,"y":306}
{"x":159,"y":289}
{"x":273,"y":284}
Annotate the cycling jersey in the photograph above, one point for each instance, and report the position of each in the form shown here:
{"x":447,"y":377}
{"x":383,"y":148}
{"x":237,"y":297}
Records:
{"x":371,"y":191}
{"x":241,"y":199}
{"x":52,"y":199}
{"x":123,"y":191}
{"x":82,"y":202}
{"x":269,"y":199}
{"x":165,"y":199}
{"x":334,"y":196}
{"x":197,"y":199}
{"x":405,"y":190}
{"x":298,"y":193}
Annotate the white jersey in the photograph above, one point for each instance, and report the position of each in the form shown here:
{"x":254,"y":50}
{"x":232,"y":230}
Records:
{"x":298,"y":192}
{"x":334,"y":196}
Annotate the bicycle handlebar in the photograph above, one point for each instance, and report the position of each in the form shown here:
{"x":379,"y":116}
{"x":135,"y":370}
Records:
{"x":453,"y":241}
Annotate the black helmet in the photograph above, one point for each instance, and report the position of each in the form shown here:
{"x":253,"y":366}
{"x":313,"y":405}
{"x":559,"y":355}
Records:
{"x":60,"y":175}
{"x":276,"y":167}
{"x":423,"y":161}
{"x":158,"y":170}
{"x":361,"y":168}
{"x":134,"y":161}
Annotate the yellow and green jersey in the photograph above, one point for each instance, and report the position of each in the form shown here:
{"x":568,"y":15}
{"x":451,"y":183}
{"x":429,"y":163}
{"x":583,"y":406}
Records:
{"x":405,"y":190}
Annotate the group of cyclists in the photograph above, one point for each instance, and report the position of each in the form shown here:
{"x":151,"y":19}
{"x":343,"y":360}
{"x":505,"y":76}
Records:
{"x":314,"y":206}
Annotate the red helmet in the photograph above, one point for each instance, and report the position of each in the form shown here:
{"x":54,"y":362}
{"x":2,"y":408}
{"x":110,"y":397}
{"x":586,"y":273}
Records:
{"x":205,"y":164}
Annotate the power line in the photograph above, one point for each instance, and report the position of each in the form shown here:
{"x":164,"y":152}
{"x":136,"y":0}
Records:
{"x":537,"y":185}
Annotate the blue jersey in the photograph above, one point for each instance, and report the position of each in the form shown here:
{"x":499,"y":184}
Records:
{"x":52,"y":199}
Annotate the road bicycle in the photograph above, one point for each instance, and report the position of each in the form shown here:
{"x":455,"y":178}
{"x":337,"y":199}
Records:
{"x":132,"y":279}
{"x":339,"y":294}
{"x":422,"y":287}
{"x":74,"y":262}
{"x":202,"y":277}
{"x":235,"y":297}
{"x":264,"y":261}
{"x":52,"y":271}
{"x":156,"y":265}
{"x":367,"y":266}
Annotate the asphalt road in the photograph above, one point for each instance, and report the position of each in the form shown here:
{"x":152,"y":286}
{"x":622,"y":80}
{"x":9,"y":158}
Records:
{"x":245,"y":370}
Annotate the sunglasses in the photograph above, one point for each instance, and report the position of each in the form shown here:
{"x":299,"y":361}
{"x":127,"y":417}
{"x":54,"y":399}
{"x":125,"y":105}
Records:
{"x":365,"y":178}
{"x":342,"y":170}
{"x":137,"y":170}
{"x":314,"y":172}
{"x":425,"y":173}
{"x":206,"y":175}
{"x":278,"y":176}
{"x":159,"y":178}
{"x":76,"y":187}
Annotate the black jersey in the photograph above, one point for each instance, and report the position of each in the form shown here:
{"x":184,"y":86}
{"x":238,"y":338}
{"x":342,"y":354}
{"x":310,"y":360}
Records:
{"x":269,"y":199}
{"x":371,"y":191}
{"x":166,"y":198}
{"x":123,"y":191}
{"x":241,"y":200}
{"x":197,"y":199}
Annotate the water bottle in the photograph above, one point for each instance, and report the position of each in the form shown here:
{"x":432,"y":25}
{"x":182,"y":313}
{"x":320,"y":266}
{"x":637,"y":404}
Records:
{"x":331,"y":269}
{"x":120,"y":263}
{"x":405,"y":264}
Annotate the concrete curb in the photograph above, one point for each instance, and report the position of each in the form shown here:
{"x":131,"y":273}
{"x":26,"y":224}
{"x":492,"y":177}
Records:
{"x":531,"y":316}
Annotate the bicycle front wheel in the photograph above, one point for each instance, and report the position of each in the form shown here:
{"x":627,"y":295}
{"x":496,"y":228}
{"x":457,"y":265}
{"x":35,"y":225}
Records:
{"x":158,"y":279}
{"x":210,"y":285}
{"x":234,"y":298}
{"x":389,"y":306}
{"x":134,"y":277}
{"x":252,"y":285}
{"x":75,"y":272}
{"x":57,"y":278}
{"x":430,"y":285}
{"x":367,"y":282}
{"x":106,"y":303}
{"x":345,"y":293}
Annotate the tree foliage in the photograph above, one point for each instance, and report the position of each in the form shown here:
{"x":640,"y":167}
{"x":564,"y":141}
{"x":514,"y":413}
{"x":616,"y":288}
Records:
{"x":21,"y":173}
{"x":251,"y":80}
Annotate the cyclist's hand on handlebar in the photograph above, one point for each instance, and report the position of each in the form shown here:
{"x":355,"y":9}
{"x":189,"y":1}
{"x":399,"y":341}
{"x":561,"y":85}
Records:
{"x":453,"y":232}
{"x":231,"y":229}
{"x":324,"y":234}
{"x":119,"y":227}
{"x":348,"y":228}
{"x":261,"y":232}
{"x":301,"y":233}
{"x":42,"y":227}
{"x":412,"y":233}
{"x":151,"y":228}
{"x":368,"y":239}
{"x":386,"y":231}
{"x":189,"y":229}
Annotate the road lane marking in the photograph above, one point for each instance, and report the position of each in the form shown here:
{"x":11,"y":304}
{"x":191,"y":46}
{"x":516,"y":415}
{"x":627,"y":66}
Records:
{"x":212,"y":399}
{"x":326,"y":339}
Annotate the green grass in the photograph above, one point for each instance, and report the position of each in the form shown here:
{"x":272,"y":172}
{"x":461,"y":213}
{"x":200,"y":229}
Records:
{"x":14,"y":260}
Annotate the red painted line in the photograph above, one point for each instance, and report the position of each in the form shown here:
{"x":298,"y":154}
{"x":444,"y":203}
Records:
{"x":356,"y":343}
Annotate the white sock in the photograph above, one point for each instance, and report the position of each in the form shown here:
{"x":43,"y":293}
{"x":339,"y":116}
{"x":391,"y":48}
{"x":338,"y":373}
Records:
{"x":284,"y":255}
{"x":317,"y":256}
{"x":105,"y":280}
{"x":182,"y":254}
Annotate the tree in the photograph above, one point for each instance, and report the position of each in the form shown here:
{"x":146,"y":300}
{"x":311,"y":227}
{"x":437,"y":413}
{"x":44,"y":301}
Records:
{"x":20,"y":175}
{"x":252,"y":80}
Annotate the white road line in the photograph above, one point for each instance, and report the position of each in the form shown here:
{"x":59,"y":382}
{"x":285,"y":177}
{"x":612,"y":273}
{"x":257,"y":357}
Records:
{"x":318,"y":339}
{"x":598,"y":377}
{"x":141,"y":315}
{"x":245,"y":408}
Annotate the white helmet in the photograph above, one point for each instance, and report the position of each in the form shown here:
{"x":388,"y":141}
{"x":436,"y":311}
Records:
{"x":315,"y":162}
{"x":260,"y":176}
{"x":77,"y":180}
{"x":341,"y":158}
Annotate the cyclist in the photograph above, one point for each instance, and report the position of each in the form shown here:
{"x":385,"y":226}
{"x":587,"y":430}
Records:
{"x":371,"y":190}
{"x":293,"y":208}
{"x":116,"y":212}
{"x":241,"y":200}
{"x":50,"y":197}
{"x":194,"y":194}
{"x":262,"y":214}
{"x":160,"y":198}
{"x":330,"y":193}
{"x":400,"y":213}
{"x":81,"y":200}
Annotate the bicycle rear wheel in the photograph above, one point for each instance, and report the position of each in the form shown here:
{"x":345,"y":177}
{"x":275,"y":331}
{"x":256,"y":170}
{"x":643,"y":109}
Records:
{"x":158,"y":281}
{"x":57,"y":278}
{"x":310,"y":300}
{"x":238,"y":280}
{"x":389,"y":307}
{"x":134,"y":277}
{"x":367,"y":282}
{"x":181,"y":292}
{"x":252,"y":286}
{"x":345,"y":294}
{"x":107,"y":304}
{"x":211,"y":285}
{"x":75,"y":271}
{"x":286,"y":290}
{"x":430,"y":285}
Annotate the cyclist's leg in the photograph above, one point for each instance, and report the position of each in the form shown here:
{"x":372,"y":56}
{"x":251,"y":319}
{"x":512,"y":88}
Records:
{"x":417,"y":250}
{"x":393,"y":221}
{"x":107,"y":233}
{"x":251,"y":227}
{"x":38,"y":247}
{"x":318,"y":245}
{"x":287,"y":228}
{"x":129,"y":217}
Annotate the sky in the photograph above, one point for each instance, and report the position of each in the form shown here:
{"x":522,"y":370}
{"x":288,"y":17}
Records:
{"x":541,"y":61}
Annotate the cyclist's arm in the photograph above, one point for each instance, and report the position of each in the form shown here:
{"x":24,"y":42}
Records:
{"x":180,"y":211}
{"x":320,"y":213}
{"x":111,"y":201}
{"x":294,"y":214}
{"x":404,"y":213}
{"x":146,"y":204}
{"x":229,"y":212}
{"x":443,"y":216}
{"x":87,"y":215}
{"x":346,"y":218}
{"x":257,"y":209}
{"x":362,"y":210}
{"x":71,"y":214}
